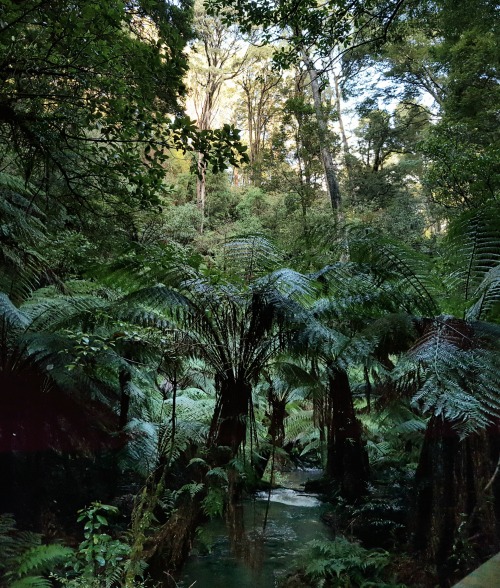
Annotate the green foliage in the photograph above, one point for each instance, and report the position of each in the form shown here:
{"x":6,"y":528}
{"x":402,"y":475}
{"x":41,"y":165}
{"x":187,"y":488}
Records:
{"x":113,"y":306}
{"x":324,"y":26}
{"x":341,"y":563}
{"x":453,"y":372}
{"x":24,"y":560}
{"x":98,"y":549}
{"x":412,"y":285}
{"x":214,"y":502}
{"x":100,"y":560}
{"x":460,"y":173}
{"x":22,"y":238}
{"x":248,"y":257}
{"x":473,"y":256}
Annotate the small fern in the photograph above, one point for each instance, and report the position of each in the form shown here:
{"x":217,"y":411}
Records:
{"x":341,"y":563}
{"x":23,"y":558}
{"x":41,"y":559}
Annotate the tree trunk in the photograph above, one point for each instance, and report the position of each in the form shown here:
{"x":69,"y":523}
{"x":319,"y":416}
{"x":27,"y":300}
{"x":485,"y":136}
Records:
{"x":343,"y":136}
{"x":229,"y":423}
{"x":457,"y":490}
{"x":326,"y":154}
{"x":172,"y":544}
{"x":347,"y":461}
{"x":201,"y":183}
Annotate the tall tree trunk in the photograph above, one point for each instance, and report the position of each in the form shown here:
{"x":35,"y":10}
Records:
{"x":326,"y":154}
{"x":457,"y":491}
{"x":343,"y":136}
{"x":347,"y":461}
{"x":201,"y":183}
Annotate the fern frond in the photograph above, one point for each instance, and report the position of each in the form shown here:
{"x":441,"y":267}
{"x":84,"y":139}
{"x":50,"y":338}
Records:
{"x":413,"y":288}
{"x":343,"y":562}
{"x":487,"y":295}
{"x":141,"y":452}
{"x":142,"y":265}
{"x":22,"y":235}
{"x":14,"y":317}
{"x":474,"y":246}
{"x":288,"y":282}
{"x":248,"y":257}
{"x":31,"y":582}
{"x":455,"y":374}
{"x":42,"y":559}
{"x":17,"y":185}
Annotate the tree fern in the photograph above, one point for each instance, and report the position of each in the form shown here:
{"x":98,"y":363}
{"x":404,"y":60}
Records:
{"x":22,"y":235}
{"x":248,"y":257}
{"x":473,"y":255}
{"x":454,"y":372}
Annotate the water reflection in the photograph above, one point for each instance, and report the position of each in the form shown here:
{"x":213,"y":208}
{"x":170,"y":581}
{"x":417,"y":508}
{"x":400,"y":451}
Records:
{"x":243,"y":555}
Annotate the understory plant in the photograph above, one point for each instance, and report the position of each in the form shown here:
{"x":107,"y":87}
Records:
{"x":341,"y":564}
{"x":101,"y":560}
{"x":25,"y":562}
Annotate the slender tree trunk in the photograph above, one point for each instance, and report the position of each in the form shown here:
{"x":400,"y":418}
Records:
{"x":326,"y":154}
{"x":343,"y":136}
{"x":347,"y":461}
{"x":236,"y":177}
{"x":201,"y":183}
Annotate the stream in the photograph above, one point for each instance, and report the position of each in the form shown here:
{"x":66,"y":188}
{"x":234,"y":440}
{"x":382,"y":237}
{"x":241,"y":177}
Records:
{"x":242,"y":554}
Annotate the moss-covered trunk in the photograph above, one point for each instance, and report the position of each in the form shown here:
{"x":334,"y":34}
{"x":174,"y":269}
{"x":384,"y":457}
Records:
{"x":172,"y":544}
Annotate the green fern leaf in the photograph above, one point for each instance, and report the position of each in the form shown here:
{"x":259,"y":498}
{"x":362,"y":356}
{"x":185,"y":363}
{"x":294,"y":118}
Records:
{"x":32,"y":582}
{"x":42,"y":558}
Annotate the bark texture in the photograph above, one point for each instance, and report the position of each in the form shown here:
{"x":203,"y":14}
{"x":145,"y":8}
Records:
{"x":456,"y":512}
{"x":332,"y":183}
{"x":347,"y":461}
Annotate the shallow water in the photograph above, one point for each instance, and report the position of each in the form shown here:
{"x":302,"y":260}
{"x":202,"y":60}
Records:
{"x":250,"y":557}
{"x":290,"y":498}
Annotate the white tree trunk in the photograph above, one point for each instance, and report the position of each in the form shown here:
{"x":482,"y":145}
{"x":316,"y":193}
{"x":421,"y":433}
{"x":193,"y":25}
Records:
{"x":326,"y":155}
